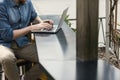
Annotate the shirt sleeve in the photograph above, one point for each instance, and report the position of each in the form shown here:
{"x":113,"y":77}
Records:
{"x":6,"y":32}
{"x":33,"y":12}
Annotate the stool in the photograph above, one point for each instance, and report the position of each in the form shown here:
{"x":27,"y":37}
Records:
{"x":23,"y":65}
{"x":1,"y":71}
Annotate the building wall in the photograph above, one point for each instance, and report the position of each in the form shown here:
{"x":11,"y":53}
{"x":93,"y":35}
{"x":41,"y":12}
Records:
{"x":56,"y":7}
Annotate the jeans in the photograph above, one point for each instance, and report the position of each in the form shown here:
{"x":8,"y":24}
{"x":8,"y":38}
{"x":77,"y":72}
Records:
{"x":8,"y":59}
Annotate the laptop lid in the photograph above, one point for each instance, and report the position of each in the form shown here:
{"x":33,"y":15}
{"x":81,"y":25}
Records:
{"x":62,"y":18}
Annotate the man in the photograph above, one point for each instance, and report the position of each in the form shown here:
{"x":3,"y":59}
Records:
{"x":15,"y":19}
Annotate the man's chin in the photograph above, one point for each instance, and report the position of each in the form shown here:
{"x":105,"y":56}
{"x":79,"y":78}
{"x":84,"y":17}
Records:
{"x":22,"y":1}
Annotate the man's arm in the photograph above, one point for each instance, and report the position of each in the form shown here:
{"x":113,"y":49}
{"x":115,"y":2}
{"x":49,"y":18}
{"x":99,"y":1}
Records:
{"x":37,"y":20}
{"x":24,"y":31}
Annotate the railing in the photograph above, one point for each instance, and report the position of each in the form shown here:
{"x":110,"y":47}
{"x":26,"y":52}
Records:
{"x":114,"y":34}
{"x":101,"y":25}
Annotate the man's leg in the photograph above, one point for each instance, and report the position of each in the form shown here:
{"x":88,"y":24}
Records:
{"x":34,"y":73}
{"x":28,"y":52}
{"x":8,"y":61}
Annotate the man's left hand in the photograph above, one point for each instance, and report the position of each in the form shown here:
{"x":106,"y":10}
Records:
{"x":48,"y":21}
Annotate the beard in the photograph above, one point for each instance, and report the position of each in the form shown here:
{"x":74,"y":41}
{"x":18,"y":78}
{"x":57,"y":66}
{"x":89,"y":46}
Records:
{"x":22,"y":1}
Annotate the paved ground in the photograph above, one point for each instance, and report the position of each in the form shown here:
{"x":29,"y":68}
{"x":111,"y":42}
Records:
{"x":112,"y":58}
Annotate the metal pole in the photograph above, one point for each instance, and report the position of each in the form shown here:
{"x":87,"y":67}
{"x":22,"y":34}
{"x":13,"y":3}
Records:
{"x":107,"y":28}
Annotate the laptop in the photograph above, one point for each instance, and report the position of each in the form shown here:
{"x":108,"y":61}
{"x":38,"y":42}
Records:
{"x":56,"y":27}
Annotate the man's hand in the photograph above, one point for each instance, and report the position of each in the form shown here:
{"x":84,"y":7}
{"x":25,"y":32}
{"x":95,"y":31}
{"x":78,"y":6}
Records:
{"x":48,"y":21}
{"x":42,"y":25}
{"x":46,"y":24}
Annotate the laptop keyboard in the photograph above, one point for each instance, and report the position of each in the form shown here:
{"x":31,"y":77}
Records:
{"x":54,"y":28}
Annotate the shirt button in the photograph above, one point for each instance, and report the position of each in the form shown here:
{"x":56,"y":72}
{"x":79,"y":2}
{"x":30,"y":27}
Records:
{"x":20,"y":25}
{"x":21,"y":15}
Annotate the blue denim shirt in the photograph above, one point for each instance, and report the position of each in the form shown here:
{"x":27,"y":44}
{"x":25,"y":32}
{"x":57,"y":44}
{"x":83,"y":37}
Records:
{"x":14,"y":17}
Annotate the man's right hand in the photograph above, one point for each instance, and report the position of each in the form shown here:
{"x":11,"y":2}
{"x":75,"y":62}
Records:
{"x":41,"y":25}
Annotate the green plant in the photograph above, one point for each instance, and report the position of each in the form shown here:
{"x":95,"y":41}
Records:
{"x":67,"y":21}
